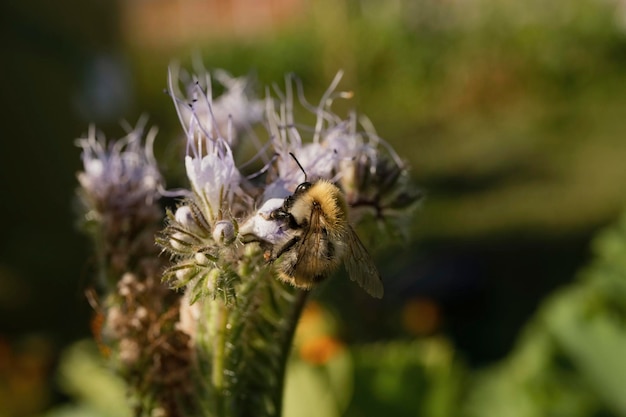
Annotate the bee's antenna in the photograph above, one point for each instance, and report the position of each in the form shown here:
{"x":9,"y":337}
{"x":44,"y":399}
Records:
{"x":298,"y":162}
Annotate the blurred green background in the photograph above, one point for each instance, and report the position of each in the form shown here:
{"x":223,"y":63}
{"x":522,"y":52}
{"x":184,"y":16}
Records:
{"x":512,"y":116}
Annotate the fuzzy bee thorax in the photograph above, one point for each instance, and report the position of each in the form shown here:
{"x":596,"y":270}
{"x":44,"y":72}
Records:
{"x":324,"y":196}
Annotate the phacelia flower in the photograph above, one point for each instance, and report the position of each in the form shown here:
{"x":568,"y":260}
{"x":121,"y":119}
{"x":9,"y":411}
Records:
{"x":227,"y":239}
{"x":261,"y":226}
{"x":316,"y":158}
{"x":236,"y":103}
{"x":214,"y":178}
{"x":210,"y":165}
{"x":234,"y":111}
{"x":119,"y":193}
{"x":120,"y":190}
{"x":119,"y":174}
{"x":364,"y":166}
{"x":202,"y":230}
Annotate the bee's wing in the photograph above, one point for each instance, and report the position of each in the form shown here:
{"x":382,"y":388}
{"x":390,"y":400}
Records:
{"x":311,"y":264}
{"x":360,"y":266}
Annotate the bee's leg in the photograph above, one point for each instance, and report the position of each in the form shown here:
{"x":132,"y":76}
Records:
{"x":278,"y":214}
{"x":283,"y":215}
{"x":286,"y":247}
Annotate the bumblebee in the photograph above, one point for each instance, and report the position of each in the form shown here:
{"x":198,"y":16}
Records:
{"x":320,"y":239}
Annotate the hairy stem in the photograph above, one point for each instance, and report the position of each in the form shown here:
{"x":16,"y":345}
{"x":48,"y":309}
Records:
{"x":217,"y":376}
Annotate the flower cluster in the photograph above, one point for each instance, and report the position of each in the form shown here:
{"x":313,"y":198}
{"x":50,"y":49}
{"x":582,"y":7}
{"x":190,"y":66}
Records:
{"x":204,"y":233}
{"x":119,"y":195}
{"x":232,"y":322}
{"x":120,"y":175}
{"x":120,"y":189}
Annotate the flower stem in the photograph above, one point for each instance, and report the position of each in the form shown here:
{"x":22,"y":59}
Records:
{"x":217,"y":375}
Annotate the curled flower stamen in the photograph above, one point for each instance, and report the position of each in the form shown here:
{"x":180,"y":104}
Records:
{"x":320,"y":110}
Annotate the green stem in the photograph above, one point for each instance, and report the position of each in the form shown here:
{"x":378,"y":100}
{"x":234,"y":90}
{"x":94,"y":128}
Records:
{"x":286,"y":343}
{"x":219,"y":357}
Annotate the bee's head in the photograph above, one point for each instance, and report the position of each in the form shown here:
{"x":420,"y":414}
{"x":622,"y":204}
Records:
{"x":302,"y":188}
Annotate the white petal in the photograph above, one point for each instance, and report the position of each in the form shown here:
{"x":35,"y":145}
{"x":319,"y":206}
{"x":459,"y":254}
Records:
{"x":261,"y":227}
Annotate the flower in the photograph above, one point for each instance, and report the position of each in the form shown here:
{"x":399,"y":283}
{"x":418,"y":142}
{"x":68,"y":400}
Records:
{"x":235,"y":323}
{"x":214,"y":179}
{"x":227,"y":115}
{"x":121,"y":174}
{"x":318,"y":158}
{"x":261,"y":226}
{"x":236,"y":104}
{"x":321,"y":350}
{"x":365,"y":167}
{"x":210,"y":165}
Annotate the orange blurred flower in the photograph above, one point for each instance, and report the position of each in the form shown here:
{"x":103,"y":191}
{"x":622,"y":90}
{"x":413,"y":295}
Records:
{"x":320,"y":350}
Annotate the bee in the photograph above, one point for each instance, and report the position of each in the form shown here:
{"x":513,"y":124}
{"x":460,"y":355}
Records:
{"x":320,"y":239}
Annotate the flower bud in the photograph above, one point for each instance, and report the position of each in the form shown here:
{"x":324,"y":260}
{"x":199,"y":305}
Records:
{"x":191,"y":219}
{"x":184,"y":274}
{"x":181,"y":241}
{"x":201,"y":258}
{"x":224,"y":232}
{"x":184,"y":217}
